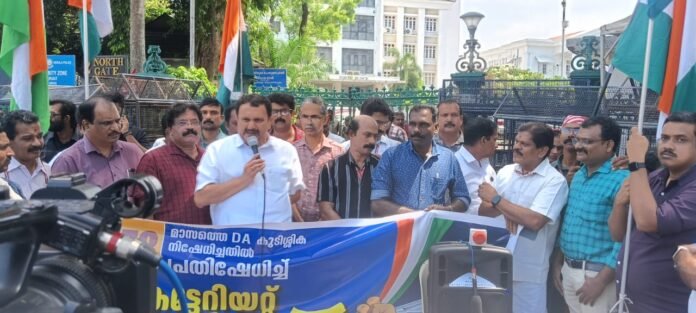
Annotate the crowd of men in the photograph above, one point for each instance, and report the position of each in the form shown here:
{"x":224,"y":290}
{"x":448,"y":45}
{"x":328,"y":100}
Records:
{"x":565,"y":196}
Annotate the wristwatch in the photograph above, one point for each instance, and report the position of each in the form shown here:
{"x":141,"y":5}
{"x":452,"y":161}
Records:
{"x":496,"y":199}
{"x":634,"y":166}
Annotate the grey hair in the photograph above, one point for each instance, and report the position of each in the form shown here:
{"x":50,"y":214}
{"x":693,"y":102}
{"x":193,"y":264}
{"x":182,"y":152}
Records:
{"x":318,"y":101}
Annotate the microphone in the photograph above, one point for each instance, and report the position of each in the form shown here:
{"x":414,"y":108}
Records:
{"x":254,"y":144}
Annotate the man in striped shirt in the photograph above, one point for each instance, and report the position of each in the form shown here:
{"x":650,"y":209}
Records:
{"x":344,"y":184}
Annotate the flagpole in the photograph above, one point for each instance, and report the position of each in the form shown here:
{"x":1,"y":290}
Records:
{"x":85,"y":49}
{"x":192,"y":33}
{"x":241,"y":52}
{"x":623,"y":299}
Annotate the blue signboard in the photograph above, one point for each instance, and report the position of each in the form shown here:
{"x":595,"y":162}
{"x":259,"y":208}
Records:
{"x":270,"y":77}
{"x":61,"y":70}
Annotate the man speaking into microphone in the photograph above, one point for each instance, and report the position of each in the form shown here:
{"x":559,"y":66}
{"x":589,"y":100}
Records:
{"x":244,"y":187}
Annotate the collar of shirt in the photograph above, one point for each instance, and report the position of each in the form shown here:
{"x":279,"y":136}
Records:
{"x":662,"y":175}
{"x":460,"y":140}
{"x":175,"y":150}
{"x":605,"y":168}
{"x":326,"y":143}
{"x":220,"y":135}
{"x":541,"y":169}
{"x":89,"y":147}
{"x":434,"y":152}
{"x":370,"y":159}
{"x":40,"y":167}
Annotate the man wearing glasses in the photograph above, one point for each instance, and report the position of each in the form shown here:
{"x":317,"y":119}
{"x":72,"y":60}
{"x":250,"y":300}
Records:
{"x":314,"y":150}
{"x":589,"y":255}
{"x":379,"y":110}
{"x":567,"y":162}
{"x":99,"y":154}
{"x":282,"y":114}
{"x":175,"y":165}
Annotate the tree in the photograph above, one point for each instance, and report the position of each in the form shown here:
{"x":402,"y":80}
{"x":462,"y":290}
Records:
{"x":299,"y":57}
{"x":137,"y":34}
{"x":157,"y":8}
{"x":406,"y":68}
{"x":512,"y":73}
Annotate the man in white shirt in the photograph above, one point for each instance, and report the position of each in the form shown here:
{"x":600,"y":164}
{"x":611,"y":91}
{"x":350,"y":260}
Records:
{"x":480,"y":142}
{"x":5,"y":154}
{"x":246,"y":188}
{"x":380,"y":112}
{"x":530,"y":195}
{"x":26,"y":169}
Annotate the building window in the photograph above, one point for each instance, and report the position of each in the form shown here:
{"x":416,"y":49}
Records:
{"x":429,"y":79}
{"x":429,"y":52}
{"x":367,"y":4}
{"x":362,"y":29}
{"x":389,"y":23}
{"x":410,"y":25}
{"x":430,"y":24}
{"x":567,"y":69}
{"x":358,"y":60}
{"x":543,"y":68}
{"x":389,"y":74}
{"x":409,"y":49}
{"x":387,"y":49}
{"x":325,"y":54}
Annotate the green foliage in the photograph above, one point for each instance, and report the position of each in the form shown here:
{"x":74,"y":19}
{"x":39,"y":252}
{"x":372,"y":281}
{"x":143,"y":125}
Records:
{"x":156,"y":8}
{"x":118,"y":41}
{"x":511,"y":73}
{"x":406,"y":68}
{"x":300,"y":58}
{"x":63,"y":34}
{"x":194,"y":73}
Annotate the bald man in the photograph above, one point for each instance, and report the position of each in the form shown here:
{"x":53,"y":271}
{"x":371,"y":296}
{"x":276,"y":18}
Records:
{"x":345,"y":182}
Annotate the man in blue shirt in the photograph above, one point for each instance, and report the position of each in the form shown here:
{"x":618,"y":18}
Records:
{"x":418,"y":174}
{"x":589,"y":253}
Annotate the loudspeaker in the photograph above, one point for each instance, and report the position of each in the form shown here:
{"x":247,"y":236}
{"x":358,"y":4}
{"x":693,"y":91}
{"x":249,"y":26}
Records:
{"x":449,"y":287}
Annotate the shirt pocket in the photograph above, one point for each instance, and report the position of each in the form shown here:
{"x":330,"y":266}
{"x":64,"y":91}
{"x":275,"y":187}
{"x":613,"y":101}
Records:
{"x":277,"y":179}
{"x":439,"y":191}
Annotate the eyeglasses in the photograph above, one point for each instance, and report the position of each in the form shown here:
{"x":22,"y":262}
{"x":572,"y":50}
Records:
{"x":284,"y":112}
{"x":184,"y":123}
{"x":570,"y":131}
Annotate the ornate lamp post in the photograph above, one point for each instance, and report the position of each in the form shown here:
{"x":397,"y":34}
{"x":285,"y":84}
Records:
{"x":471,"y":61}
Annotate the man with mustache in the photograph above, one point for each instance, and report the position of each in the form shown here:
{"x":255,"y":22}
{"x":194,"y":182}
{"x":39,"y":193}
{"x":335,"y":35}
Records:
{"x":378,"y":109}
{"x":282,"y":116}
{"x":314,"y":151}
{"x":5,"y":154}
{"x":175,"y":166}
{"x":418,"y":174}
{"x":99,"y":154}
{"x":26,"y":169}
{"x":529,"y":194}
{"x":557,"y":150}
{"x":63,"y":130}
{"x":212,"y":120}
{"x":345,"y":182}
{"x":449,"y":125}
{"x":480,"y":143}
{"x":396,"y":132}
{"x":588,"y":253}
{"x":567,"y":162}
{"x":664,"y":216}
{"x":246,"y":188}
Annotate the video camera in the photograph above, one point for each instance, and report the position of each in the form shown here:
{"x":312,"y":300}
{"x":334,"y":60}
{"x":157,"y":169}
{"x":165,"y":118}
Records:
{"x":91,"y":266}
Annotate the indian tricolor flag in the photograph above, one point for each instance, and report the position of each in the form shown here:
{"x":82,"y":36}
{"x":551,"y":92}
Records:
{"x":23,"y":56}
{"x":229,"y":49}
{"x":99,"y":23}
{"x":673,"y":56}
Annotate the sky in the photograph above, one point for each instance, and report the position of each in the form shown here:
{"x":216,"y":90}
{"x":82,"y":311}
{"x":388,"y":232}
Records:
{"x":511,"y":20}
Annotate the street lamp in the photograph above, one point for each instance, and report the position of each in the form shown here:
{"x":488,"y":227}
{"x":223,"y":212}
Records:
{"x":471,"y":61}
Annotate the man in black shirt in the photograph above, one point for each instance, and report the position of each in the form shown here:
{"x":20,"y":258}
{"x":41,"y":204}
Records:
{"x":345,"y":182}
{"x":63,"y":130}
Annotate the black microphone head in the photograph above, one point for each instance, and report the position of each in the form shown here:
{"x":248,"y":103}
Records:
{"x":253,"y":143}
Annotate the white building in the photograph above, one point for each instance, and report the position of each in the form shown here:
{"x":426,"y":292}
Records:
{"x":410,"y":26}
{"x":536,"y":55}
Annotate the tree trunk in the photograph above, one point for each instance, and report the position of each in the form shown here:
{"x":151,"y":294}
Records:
{"x":208,"y":49}
{"x":137,"y":35}
{"x":304,"y":19}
